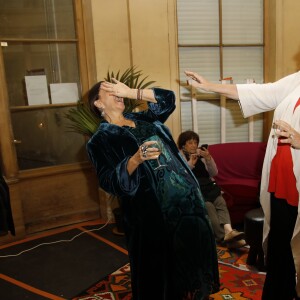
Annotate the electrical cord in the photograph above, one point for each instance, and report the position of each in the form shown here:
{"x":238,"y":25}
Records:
{"x":56,"y":242}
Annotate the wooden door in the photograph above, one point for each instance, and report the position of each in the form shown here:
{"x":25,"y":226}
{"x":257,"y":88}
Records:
{"x":50,"y":178}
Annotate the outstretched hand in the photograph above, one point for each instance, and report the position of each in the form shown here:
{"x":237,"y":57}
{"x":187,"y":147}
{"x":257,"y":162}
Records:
{"x":200,"y":80}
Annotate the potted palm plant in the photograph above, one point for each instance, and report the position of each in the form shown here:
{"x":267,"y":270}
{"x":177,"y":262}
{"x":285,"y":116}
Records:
{"x":85,"y":122}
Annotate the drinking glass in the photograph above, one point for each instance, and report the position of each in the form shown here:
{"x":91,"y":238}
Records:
{"x":159,"y":146}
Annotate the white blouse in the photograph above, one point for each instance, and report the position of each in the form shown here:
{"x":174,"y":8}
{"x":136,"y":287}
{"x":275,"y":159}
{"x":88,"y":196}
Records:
{"x":282,"y":96}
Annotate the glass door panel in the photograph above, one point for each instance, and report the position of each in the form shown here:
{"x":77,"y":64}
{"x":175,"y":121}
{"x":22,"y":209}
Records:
{"x":43,"y":139}
{"x":37,"y":19}
{"x":40,"y":58}
{"x":58,"y":61}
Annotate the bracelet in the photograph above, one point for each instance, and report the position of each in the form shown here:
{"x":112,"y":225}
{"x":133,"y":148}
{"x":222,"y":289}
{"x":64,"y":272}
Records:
{"x":139,"y":94}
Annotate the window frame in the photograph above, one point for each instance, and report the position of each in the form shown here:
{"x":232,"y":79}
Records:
{"x":195,"y":98}
{"x":87,"y":74}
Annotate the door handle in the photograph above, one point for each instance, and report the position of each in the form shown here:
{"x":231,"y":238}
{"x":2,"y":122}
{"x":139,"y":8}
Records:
{"x":17,"y":141}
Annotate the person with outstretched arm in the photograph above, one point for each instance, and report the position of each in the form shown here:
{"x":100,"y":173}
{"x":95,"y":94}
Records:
{"x":280,"y":183}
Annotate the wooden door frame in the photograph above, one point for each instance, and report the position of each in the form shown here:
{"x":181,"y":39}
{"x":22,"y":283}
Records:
{"x":28,"y":188}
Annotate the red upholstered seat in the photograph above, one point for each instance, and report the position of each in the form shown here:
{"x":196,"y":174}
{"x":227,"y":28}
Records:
{"x":240,"y":166}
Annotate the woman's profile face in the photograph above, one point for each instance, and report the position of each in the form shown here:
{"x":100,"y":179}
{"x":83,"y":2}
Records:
{"x":109,"y":102}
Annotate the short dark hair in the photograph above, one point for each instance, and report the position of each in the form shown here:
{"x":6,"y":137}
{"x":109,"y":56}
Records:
{"x":186,"y":136}
{"x":93,"y":95}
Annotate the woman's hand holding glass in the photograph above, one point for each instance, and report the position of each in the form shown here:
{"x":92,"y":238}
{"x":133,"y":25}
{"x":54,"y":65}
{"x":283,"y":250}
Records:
{"x":287,"y":133}
{"x":147,"y":151}
{"x":151,"y":149}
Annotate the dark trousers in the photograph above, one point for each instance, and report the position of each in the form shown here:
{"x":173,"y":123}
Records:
{"x":280,"y":279}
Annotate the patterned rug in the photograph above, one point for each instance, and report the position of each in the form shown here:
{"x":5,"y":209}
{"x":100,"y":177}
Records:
{"x":238,"y":281}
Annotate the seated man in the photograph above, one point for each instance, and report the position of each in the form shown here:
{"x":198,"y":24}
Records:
{"x":204,"y":168}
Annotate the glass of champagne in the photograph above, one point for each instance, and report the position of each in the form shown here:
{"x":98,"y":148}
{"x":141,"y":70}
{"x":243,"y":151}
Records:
{"x":159,"y":146}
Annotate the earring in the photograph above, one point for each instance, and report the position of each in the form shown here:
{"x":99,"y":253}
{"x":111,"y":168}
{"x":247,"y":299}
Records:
{"x":101,"y":109}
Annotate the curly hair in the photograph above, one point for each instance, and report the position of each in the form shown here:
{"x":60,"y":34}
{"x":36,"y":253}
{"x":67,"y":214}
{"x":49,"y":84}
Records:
{"x":186,"y":136}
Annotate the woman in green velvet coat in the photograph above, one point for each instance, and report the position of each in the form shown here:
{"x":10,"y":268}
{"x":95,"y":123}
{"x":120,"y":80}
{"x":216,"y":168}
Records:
{"x":171,"y":245}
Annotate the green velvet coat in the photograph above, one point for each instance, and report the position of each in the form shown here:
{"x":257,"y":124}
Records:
{"x":172,"y":256}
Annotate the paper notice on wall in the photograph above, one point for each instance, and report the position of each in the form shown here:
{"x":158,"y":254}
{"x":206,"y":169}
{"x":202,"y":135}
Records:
{"x":37,"y":90}
{"x":64,"y":92}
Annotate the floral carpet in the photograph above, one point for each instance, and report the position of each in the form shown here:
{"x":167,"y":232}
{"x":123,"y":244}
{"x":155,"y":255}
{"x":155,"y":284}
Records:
{"x":238,"y":281}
